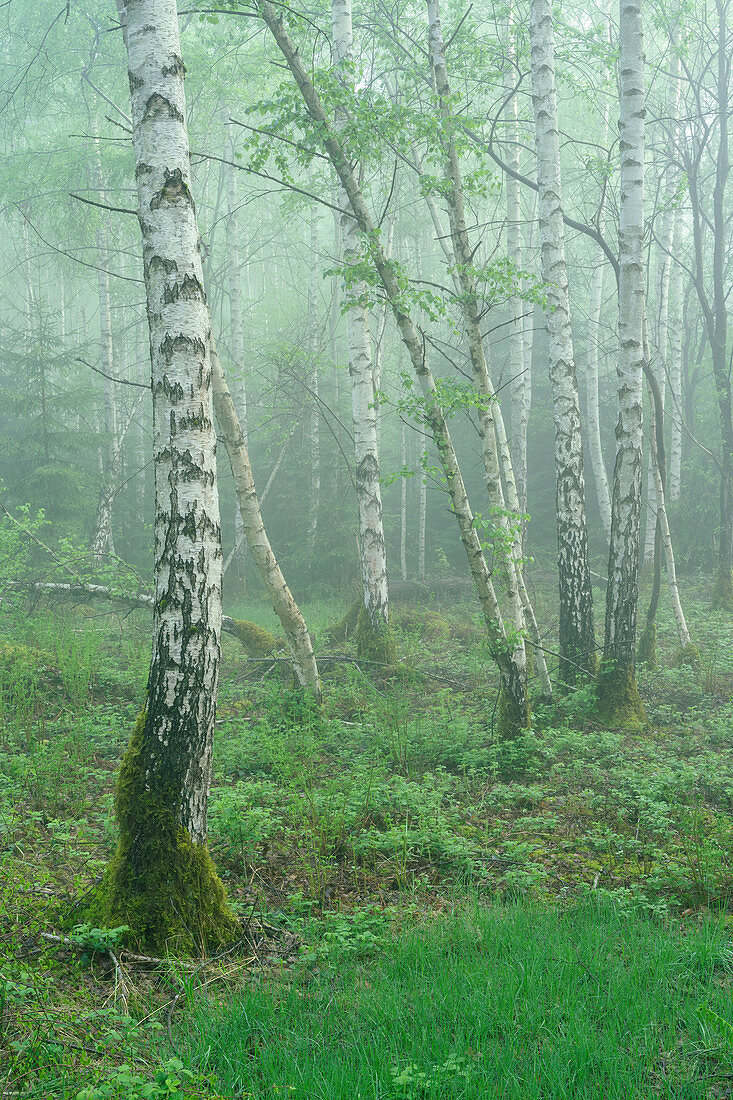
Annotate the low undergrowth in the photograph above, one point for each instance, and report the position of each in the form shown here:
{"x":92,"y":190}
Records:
{"x":342,"y":835}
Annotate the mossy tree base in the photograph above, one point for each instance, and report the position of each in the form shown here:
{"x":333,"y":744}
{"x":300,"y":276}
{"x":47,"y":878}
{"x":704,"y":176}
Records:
{"x":646,"y":652}
{"x":159,"y":882}
{"x":345,"y":628}
{"x":688,"y":657}
{"x":255,"y":640}
{"x":618,"y":703}
{"x":374,"y":645}
{"x":513,"y":718}
{"x":723,"y":590}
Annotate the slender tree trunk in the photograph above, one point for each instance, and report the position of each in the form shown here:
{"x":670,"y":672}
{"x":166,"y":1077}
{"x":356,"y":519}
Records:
{"x":675,"y":366}
{"x":618,"y":696}
{"x":689,"y":653}
{"x":514,"y":709}
{"x":595,"y":446}
{"x":403,"y":504}
{"x":373,"y":635}
{"x":161,"y":880}
{"x":489,"y":413}
{"x":517,"y":306}
{"x":577,"y":632}
{"x":102,"y":541}
{"x":313,"y":415}
{"x":718,"y":323}
{"x":236,"y":333}
{"x":285,"y":607}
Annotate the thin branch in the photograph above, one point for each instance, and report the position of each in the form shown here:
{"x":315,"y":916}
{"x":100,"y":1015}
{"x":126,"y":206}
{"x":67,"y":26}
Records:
{"x":103,"y":205}
{"x":122,"y":381}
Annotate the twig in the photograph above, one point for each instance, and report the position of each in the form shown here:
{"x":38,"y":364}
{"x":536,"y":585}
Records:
{"x":103,"y":205}
{"x":111,"y":377}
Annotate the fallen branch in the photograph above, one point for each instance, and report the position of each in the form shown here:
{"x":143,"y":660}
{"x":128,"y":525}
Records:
{"x":84,"y":592}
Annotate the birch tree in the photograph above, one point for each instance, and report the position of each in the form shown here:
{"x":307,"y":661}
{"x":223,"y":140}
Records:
{"x":577,"y":632}
{"x":514,"y":711}
{"x":618,"y":696}
{"x":161,"y":881}
{"x":373,"y":635}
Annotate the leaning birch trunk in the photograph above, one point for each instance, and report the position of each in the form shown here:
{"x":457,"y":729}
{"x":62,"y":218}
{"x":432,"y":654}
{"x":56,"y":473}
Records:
{"x":514,"y":709}
{"x":517,"y":365}
{"x":236,"y":331}
{"x":495,"y":447}
{"x":688,"y":652}
{"x":373,"y":636}
{"x":285,"y":607}
{"x":577,"y":631}
{"x":507,"y":541}
{"x":618,"y":698}
{"x":161,"y":880}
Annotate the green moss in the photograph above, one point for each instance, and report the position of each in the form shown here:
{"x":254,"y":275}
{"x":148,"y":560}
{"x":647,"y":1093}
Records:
{"x":255,"y":640}
{"x":159,"y":882}
{"x":723,"y":590}
{"x":618,"y":703}
{"x":422,"y":621}
{"x":646,"y":651}
{"x":688,"y":656}
{"x":346,"y":628}
{"x":512,"y":719}
{"x":374,"y":645}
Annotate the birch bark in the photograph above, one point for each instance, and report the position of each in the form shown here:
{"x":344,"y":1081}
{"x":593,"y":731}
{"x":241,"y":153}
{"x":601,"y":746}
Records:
{"x":577,"y":632}
{"x":161,"y":881}
{"x":514,"y":709}
{"x":102,"y":540}
{"x":517,"y":364}
{"x":312,"y":426}
{"x":373,"y":638}
{"x":675,"y":366}
{"x":236,"y":327}
{"x":618,"y":696}
{"x":285,"y":607}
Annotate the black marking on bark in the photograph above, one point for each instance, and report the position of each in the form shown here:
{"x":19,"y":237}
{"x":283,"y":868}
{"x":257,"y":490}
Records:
{"x":177,"y":68}
{"x":175,"y":189}
{"x":160,"y":263}
{"x":135,"y":82}
{"x":142,"y":169}
{"x":159,"y":106}
{"x":170,"y":345}
{"x":189,"y":289}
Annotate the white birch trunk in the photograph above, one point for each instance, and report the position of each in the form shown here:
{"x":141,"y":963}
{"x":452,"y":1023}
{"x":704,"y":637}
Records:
{"x":675,"y":366}
{"x":595,"y":447}
{"x":623,"y":571}
{"x":517,"y":363}
{"x":285,"y":607}
{"x":372,"y":547}
{"x":102,"y":541}
{"x":182,"y":687}
{"x":236,"y":327}
{"x":577,"y":633}
{"x":312,"y":427}
{"x":514,"y":715}
{"x":661,"y":514}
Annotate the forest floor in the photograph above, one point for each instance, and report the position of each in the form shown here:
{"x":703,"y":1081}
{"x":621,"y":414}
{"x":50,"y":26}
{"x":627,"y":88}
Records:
{"x":428,"y":914}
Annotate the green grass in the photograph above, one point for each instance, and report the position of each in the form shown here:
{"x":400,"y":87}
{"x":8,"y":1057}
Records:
{"x":513,"y":1003}
{"x":350,"y":830}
